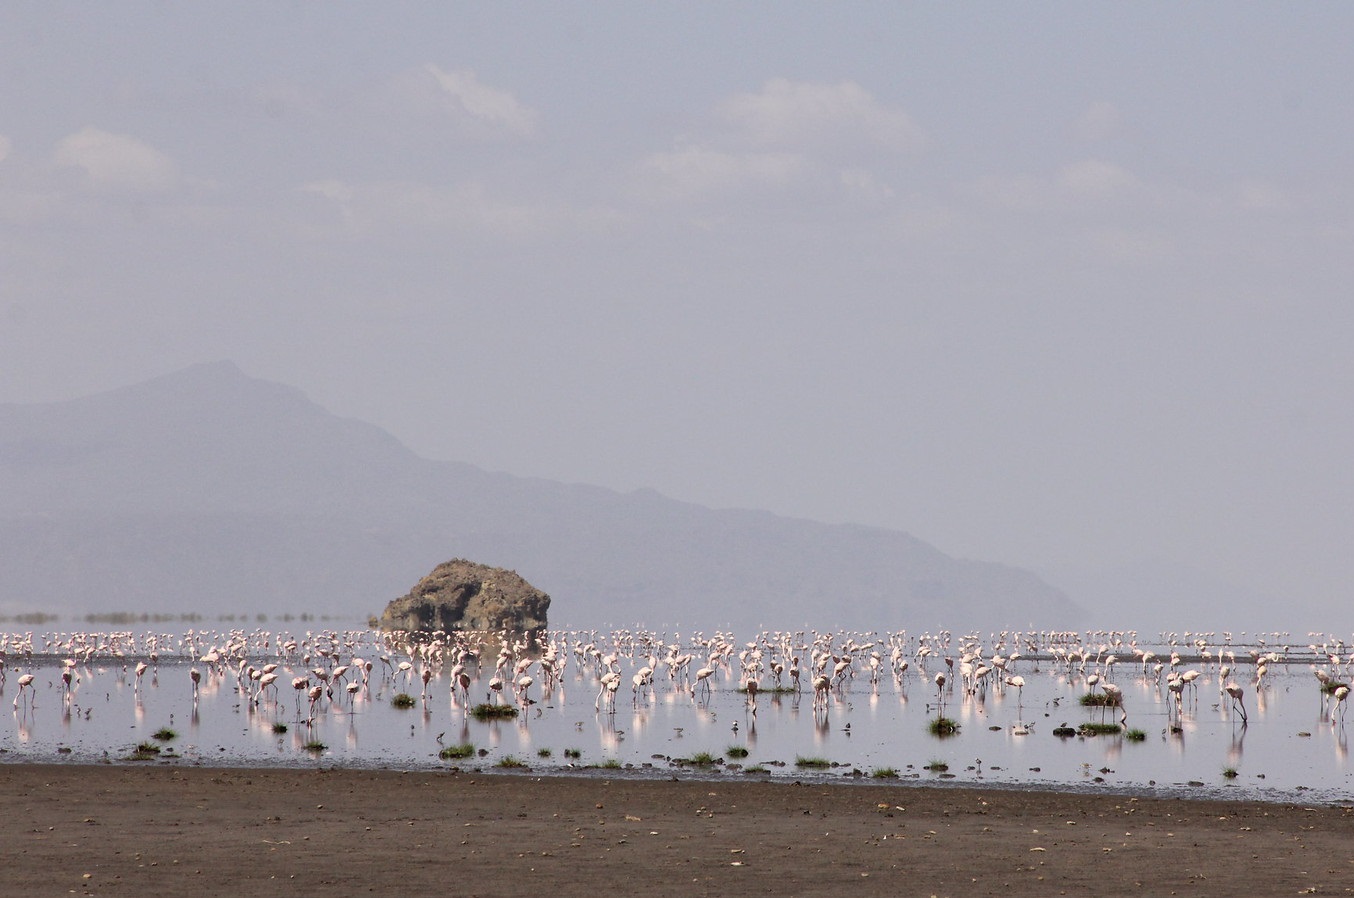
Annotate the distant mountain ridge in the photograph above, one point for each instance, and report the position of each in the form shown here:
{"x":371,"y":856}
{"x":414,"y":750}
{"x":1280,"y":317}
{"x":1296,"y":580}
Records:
{"x":207,"y":490}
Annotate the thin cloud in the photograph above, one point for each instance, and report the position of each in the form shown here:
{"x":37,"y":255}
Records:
{"x":383,"y":208}
{"x":819,"y":137}
{"x":116,"y":162}
{"x":1096,"y":179}
{"x":1101,"y":121}
{"x":694,"y":172}
{"x":487,"y":106}
{"x":790,"y":113}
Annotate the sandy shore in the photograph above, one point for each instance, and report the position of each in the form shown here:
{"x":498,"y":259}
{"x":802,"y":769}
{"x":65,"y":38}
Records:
{"x":174,"y":831}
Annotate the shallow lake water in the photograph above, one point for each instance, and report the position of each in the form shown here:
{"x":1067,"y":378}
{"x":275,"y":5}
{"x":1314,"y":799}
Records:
{"x":1292,"y":745}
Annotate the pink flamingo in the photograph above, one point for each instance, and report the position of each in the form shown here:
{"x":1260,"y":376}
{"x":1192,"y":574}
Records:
{"x":25,"y":682}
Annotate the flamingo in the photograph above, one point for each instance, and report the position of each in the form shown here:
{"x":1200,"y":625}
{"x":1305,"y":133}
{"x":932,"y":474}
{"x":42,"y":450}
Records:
{"x":1019,"y":683}
{"x":604,"y":690}
{"x":821,"y":687}
{"x":703,"y":679}
{"x":25,"y":682}
{"x":463,"y":684}
{"x":1116,"y":698}
{"x":266,"y":680}
{"x":1340,"y":694}
{"x":1236,"y":692}
{"x":522,"y":684}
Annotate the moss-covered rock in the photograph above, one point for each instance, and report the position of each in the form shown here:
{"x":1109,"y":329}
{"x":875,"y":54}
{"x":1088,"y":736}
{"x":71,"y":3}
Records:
{"x":463,"y":595}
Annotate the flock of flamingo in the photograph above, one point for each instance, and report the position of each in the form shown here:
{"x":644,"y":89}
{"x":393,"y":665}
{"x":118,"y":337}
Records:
{"x":329,"y":670}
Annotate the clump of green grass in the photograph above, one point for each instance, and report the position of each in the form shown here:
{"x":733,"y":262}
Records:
{"x":543,"y":753}
{"x":165,"y":734}
{"x":487,"y":711}
{"x":1101,"y":700}
{"x":943,"y":726}
{"x":315,"y":746}
{"x":610,"y":764}
{"x":1230,"y":772}
{"x":756,"y":768}
{"x":1098,"y":729}
{"x":402,"y":700}
{"x":279,"y":728}
{"x":146,"y":751}
{"x":813,"y":763}
{"x":935,"y":765}
{"x":885,"y":773}
{"x":736,"y":751}
{"x":768,"y":690}
{"x":511,"y":761}
{"x":702,"y":759}
{"x":573,"y":754}
{"x":1064,"y":732}
{"x":1135,"y":735}
{"x":457,"y":752}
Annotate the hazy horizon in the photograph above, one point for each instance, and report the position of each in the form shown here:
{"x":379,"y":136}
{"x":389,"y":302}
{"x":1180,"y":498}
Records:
{"x":1061,"y":287}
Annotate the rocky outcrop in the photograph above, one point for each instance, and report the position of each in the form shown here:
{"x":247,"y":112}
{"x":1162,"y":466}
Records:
{"x":463,"y":595}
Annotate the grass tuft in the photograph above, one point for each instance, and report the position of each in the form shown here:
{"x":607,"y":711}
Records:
{"x":885,"y":773}
{"x":573,"y":754}
{"x":543,"y":753}
{"x":1101,"y":700}
{"x":165,"y":734}
{"x":457,"y":752}
{"x":487,"y":711}
{"x":1098,"y":729}
{"x":315,"y":746}
{"x":812,"y":763}
{"x":1135,"y":735}
{"x":511,"y":761}
{"x":402,"y":700}
{"x":943,"y":726}
{"x":279,"y":728}
{"x":935,"y":765}
{"x":1230,"y":772}
{"x":736,"y":751}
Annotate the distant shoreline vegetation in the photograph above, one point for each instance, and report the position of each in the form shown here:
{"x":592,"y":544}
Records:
{"x":127,"y":618}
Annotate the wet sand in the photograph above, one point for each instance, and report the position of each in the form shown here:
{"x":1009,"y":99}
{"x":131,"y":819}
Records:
{"x":165,"y":830}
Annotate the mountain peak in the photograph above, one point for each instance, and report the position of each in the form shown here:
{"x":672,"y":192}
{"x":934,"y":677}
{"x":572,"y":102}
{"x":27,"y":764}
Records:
{"x":211,"y":486}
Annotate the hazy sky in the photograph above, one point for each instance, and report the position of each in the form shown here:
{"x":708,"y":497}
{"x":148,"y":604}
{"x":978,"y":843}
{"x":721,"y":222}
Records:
{"x":1061,"y":285}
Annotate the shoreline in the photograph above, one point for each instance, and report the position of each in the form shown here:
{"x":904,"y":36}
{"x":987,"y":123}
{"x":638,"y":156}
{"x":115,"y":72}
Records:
{"x":717,"y":774}
{"x":128,"y":829}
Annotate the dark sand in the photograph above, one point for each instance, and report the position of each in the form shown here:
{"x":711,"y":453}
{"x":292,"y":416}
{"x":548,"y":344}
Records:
{"x":175,"y":831}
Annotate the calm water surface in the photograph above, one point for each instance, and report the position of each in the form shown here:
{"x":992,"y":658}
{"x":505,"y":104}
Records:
{"x":1293,"y":744}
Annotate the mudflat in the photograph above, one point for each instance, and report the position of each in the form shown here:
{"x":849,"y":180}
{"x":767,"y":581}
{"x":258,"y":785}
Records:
{"x":167,"y":830}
